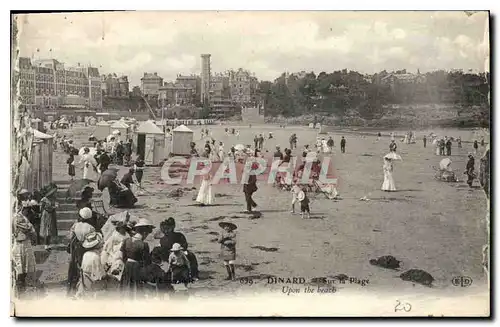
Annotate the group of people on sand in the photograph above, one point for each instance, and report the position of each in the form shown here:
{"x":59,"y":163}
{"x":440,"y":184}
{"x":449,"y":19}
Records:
{"x":95,"y":164}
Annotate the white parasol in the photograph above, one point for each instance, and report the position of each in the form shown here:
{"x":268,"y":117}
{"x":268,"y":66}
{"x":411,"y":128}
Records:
{"x":239,"y":147}
{"x":445,"y":164}
{"x":92,"y":151}
{"x":116,"y":132}
{"x":393,"y":156}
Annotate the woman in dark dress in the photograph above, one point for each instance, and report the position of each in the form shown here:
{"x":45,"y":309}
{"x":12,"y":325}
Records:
{"x":139,"y":169}
{"x":71,"y":166}
{"x":169,"y":238}
{"x":135,"y":256}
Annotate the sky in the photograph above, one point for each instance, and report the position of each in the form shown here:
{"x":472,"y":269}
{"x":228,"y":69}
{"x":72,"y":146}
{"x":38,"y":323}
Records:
{"x":266,"y":43}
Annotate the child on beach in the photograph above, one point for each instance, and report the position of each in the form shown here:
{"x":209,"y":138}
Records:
{"x":71,"y":165}
{"x":227,"y":242}
{"x":179,"y":265}
{"x":304,"y":203}
{"x":295,"y":192}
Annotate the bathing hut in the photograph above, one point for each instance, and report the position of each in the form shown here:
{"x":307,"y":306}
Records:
{"x":37,"y":123}
{"x":149,"y":142}
{"x":102,"y":130}
{"x":38,"y":170}
{"x":181,"y":140}
{"x":123,"y":128}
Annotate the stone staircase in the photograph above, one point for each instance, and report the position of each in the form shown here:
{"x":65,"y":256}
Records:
{"x":252,"y":116}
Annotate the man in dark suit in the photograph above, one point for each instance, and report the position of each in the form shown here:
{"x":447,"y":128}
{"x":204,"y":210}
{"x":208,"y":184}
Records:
{"x":249,"y":188}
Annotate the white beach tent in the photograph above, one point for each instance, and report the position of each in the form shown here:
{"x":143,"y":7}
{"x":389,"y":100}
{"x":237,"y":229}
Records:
{"x":149,"y":143}
{"x":102,"y":129}
{"x":123,"y":128}
{"x":181,"y":140}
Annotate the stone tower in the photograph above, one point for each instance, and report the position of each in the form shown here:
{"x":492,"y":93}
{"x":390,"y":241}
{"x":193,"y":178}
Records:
{"x":205,"y":77}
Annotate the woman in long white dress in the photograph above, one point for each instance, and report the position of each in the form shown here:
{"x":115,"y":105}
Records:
{"x":388,"y":168}
{"x":436,"y":144}
{"x":205,"y":195}
{"x":220,"y":151}
{"x":89,"y":165}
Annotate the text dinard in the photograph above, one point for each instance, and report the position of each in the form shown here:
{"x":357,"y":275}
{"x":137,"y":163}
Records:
{"x":302,"y":280}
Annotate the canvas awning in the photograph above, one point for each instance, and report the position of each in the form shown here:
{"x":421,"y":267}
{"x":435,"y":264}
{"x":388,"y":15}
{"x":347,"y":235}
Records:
{"x":42,"y":136}
{"x":182,"y":128}
{"x":148,"y":127}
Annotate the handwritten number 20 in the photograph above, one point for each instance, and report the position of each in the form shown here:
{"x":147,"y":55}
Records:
{"x":406,"y":307}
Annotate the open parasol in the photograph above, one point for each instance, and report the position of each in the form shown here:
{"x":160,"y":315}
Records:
{"x":393,"y":156}
{"x":107,"y":177}
{"x":92,"y":151}
{"x":239,"y":147}
{"x":116,"y":132}
{"x":445,"y":164}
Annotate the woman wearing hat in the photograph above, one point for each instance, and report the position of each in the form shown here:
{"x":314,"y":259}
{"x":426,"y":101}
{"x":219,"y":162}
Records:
{"x":89,"y":165}
{"x":92,"y":274}
{"x":111,"y":254}
{"x":388,"y":167}
{"x":77,"y":235}
{"x":23,"y":257}
{"x":135,"y":255}
{"x":168,"y":237}
{"x":227,"y":242}
{"x":48,"y":221}
{"x":205,"y":195}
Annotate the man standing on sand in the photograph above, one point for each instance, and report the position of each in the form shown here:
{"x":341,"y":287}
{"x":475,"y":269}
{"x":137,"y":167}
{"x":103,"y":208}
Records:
{"x":393,"y":146}
{"x":261,"y":142}
{"x":448,"y":147}
{"x":249,"y":188}
{"x":329,"y":144}
{"x":425,"y":141}
{"x":256,"y":142}
{"x":342,"y":145}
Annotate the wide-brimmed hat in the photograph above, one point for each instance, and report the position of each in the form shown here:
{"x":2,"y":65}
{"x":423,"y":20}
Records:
{"x":143,"y":222}
{"x":301,"y":196}
{"x":230,"y":225}
{"x":23,"y":191}
{"x":176,"y":247}
{"x":85,"y":213}
{"x":92,"y":240}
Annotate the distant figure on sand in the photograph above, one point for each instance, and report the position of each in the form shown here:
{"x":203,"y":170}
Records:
{"x":475,"y":147}
{"x":342,"y":144}
{"x":249,"y":188}
{"x":205,"y":195}
{"x":388,"y":168}
{"x":425,"y":141}
{"x":469,"y":170}
{"x":393,"y":147}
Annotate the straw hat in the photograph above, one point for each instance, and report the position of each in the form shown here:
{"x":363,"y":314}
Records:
{"x":143,"y":222}
{"x":23,"y":192}
{"x":85,"y":213}
{"x":301,"y":196}
{"x":230,"y":225}
{"x":176,"y":247}
{"x":92,"y":240}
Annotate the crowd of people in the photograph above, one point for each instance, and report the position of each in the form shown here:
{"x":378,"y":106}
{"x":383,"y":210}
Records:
{"x":112,"y":255}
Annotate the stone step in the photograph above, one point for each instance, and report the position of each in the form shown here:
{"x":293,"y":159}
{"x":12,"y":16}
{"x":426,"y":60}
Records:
{"x":64,"y":224}
{"x":67,"y":206}
{"x":62,"y":215}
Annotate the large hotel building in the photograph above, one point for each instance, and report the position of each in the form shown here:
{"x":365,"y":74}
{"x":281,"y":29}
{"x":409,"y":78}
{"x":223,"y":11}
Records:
{"x":48,"y":84}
